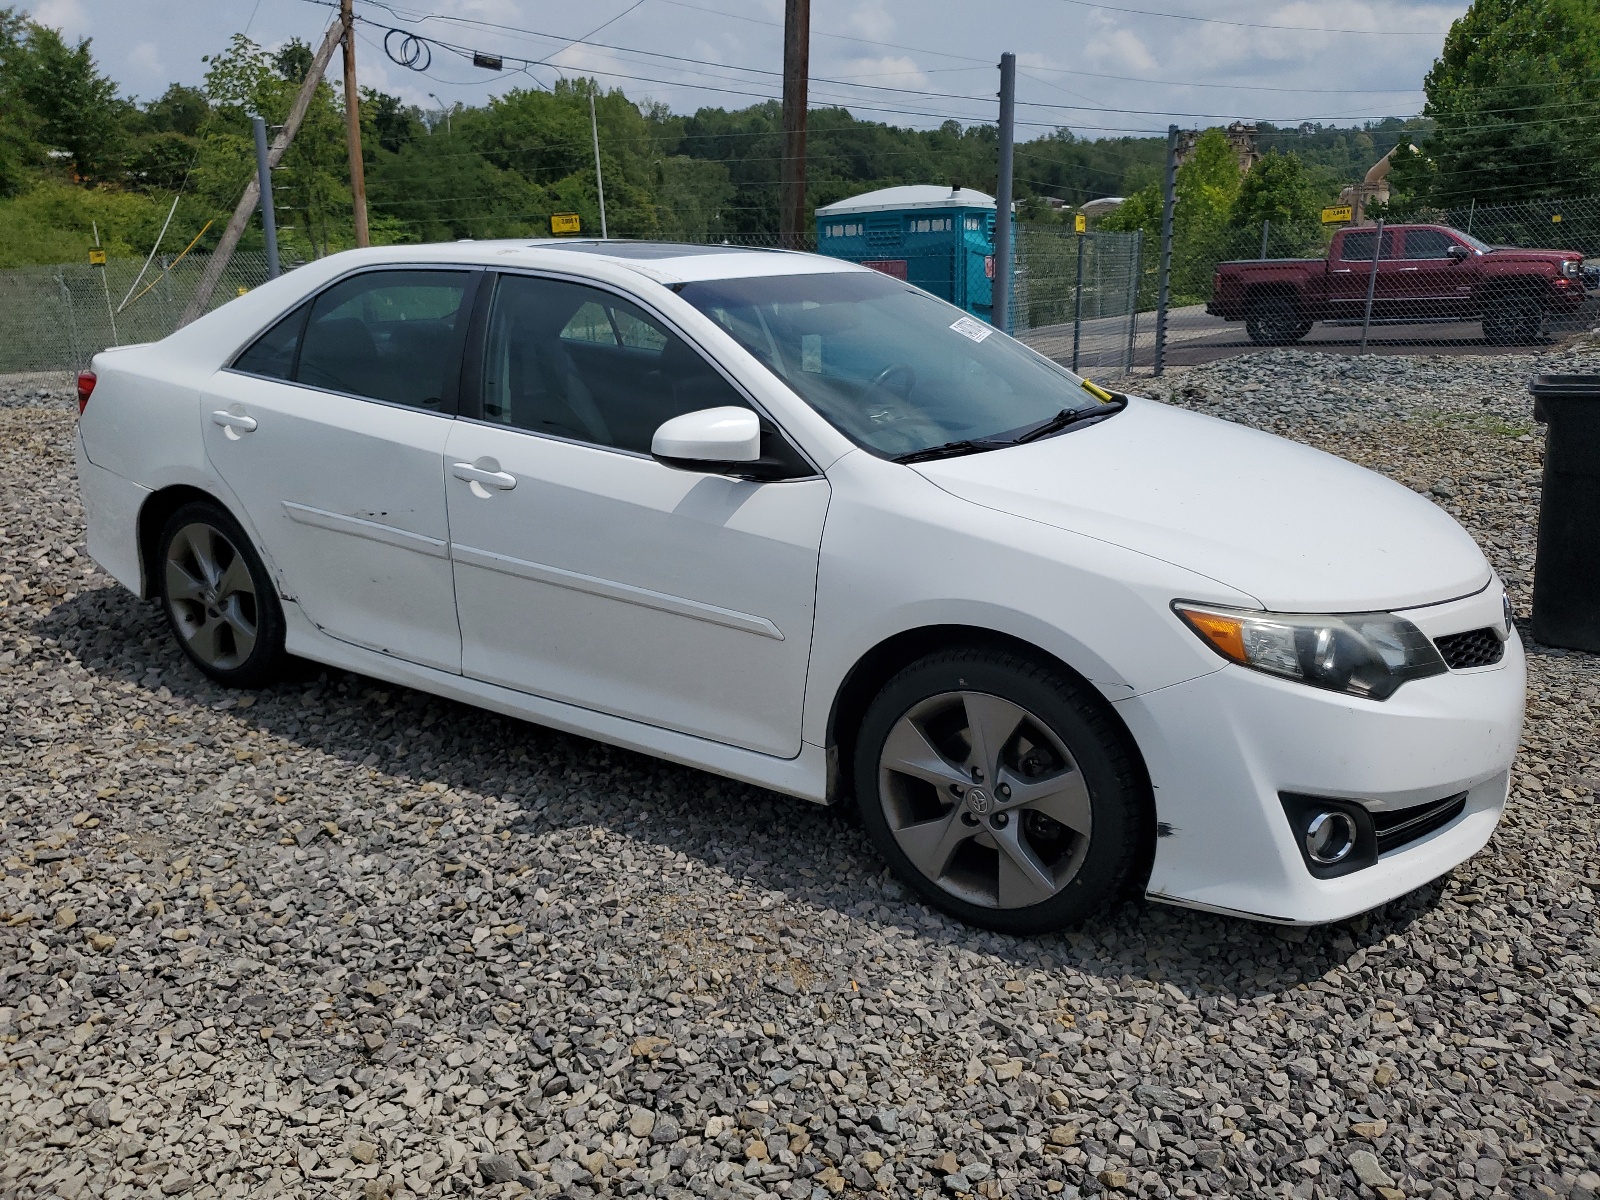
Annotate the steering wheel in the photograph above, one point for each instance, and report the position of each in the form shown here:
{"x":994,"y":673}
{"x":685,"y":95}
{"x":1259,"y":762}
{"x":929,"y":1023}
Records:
{"x":896,"y":370}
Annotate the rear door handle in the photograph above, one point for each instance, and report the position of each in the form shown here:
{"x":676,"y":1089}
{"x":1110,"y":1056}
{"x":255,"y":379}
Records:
{"x":499,"y":480}
{"x":233,"y":424}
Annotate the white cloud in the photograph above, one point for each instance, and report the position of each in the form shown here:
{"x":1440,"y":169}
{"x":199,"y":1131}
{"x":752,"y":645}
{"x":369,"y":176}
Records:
{"x":870,"y":20}
{"x":65,"y":15}
{"x":145,"y":57}
{"x":891,"y":71}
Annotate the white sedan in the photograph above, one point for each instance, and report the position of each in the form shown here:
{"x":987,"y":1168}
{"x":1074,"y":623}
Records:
{"x":795,"y":522}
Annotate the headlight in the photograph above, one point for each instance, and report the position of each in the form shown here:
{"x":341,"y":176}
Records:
{"x":1363,"y":654}
{"x":1570,"y":267}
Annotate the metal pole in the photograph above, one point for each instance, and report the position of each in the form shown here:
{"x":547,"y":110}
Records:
{"x":1169,"y":187}
{"x":1001,"y":314}
{"x":599,"y":180}
{"x":1372,"y":283}
{"x":1266,"y":226}
{"x":1133,"y":297}
{"x":269,"y":219}
{"x":796,"y":74}
{"x":106,"y":284}
{"x":352,"y":118}
{"x":1472,"y":211}
{"x":1077,"y":306}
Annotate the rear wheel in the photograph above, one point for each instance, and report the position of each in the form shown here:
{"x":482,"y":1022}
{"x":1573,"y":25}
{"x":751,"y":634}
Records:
{"x":999,"y":791}
{"x":218,"y":597}
{"x":1275,"y":321}
{"x":1513,"y":320}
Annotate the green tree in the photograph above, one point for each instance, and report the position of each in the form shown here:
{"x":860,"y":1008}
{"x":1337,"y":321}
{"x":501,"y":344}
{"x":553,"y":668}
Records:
{"x":1515,"y":98}
{"x":1278,"y":189}
{"x":74,"y":107}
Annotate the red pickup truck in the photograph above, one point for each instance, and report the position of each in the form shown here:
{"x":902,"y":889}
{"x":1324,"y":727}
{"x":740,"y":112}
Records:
{"x":1424,"y":273}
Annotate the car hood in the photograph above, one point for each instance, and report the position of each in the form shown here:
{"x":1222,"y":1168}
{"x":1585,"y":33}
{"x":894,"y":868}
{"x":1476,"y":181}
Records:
{"x":1529,"y":254}
{"x":1300,"y":530}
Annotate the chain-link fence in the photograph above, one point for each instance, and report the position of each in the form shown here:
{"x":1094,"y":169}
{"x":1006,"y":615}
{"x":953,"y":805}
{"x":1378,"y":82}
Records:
{"x":1076,"y":296}
{"x":58,"y":318}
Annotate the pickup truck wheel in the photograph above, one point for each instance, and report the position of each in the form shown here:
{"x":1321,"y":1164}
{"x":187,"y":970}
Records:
{"x":1513,"y":321}
{"x":1275,"y":321}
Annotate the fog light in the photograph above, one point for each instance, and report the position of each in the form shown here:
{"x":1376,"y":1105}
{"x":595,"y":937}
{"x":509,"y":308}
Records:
{"x":1330,"y":838}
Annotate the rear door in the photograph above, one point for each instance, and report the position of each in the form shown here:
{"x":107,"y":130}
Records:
{"x":330,"y":431}
{"x":1350,"y":272}
{"x":586,"y":571}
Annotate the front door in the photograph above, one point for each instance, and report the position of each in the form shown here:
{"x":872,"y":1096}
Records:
{"x":1432,"y":284}
{"x":331,"y":430}
{"x":589,"y":573}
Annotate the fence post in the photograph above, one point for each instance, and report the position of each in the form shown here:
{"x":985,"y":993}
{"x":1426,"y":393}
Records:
{"x":1133,"y":299}
{"x":1266,"y":226}
{"x":1077,"y":303}
{"x":1169,"y":183}
{"x":1372,"y":283}
{"x":1000,"y":311}
{"x":72,"y":322}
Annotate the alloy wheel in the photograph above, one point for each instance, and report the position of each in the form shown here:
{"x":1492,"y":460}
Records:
{"x":986,"y":801}
{"x":212,"y":596}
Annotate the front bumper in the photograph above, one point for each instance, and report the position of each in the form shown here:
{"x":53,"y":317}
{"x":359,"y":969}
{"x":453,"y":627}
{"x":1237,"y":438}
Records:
{"x":1221,"y":748}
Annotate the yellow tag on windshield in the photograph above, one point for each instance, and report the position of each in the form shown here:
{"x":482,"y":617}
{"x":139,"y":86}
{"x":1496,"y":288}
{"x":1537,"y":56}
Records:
{"x":1098,"y":392}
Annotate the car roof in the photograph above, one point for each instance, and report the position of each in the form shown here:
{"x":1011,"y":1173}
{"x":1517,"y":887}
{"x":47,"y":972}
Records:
{"x":664,"y":262}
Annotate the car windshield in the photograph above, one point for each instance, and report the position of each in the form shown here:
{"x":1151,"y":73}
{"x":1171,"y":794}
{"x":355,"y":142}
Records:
{"x":1480,"y":247}
{"x":891,"y":367}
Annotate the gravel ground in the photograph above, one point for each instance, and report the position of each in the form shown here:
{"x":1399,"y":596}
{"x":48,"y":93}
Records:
{"x":340,"y":938}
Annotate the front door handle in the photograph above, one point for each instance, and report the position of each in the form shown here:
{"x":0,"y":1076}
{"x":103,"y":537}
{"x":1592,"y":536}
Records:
{"x":233,"y":423}
{"x":485,"y":476}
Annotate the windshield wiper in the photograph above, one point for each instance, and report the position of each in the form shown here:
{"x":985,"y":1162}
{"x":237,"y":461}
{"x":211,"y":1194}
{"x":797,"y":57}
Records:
{"x":1069,"y":417}
{"x":950,"y":450}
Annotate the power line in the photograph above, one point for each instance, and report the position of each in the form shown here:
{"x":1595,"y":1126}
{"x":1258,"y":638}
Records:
{"x":1143,"y":12}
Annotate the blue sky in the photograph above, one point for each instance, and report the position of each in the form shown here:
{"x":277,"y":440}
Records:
{"x":1101,"y":70}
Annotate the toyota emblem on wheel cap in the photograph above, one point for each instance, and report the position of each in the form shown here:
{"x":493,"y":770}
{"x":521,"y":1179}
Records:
{"x":978,"y":800}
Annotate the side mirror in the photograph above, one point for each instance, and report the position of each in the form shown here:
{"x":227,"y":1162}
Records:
{"x":709,"y":440}
{"x":1457,"y":252}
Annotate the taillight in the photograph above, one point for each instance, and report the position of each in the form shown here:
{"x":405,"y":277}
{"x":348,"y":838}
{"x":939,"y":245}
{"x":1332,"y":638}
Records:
{"x":86,"y":382}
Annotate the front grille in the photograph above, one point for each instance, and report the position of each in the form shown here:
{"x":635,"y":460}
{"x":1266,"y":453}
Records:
{"x":1396,"y":829}
{"x":1475,"y":648}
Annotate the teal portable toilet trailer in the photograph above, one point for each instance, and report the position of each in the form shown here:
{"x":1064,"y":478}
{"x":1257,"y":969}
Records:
{"x":940,"y":239}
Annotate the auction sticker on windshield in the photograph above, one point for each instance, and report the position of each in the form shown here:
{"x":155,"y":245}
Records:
{"x":976,"y":330}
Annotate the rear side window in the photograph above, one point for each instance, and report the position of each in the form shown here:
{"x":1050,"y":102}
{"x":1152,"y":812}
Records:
{"x":388,"y":335}
{"x":1358,"y":246}
{"x":272,"y":354}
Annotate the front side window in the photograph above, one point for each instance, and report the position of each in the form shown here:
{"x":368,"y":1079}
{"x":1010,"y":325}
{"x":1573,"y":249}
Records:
{"x":387,"y":335}
{"x":577,"y":362}
{"x":891,"y":367}
{"x":1428,"y":243}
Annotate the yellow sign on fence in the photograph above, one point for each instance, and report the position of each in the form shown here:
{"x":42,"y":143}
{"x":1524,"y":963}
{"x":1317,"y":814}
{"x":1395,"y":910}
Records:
{"x":1338,"y":214}
{"x":1080,"y":223}
{"x":566,"y":223}
{"x":97,"y":258}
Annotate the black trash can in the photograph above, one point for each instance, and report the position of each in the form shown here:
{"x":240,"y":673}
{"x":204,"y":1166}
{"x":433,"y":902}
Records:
{"x":1566,"y":575}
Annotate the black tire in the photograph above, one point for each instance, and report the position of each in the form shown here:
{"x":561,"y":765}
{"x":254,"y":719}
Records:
{"x":1275,"y":321}
{"x":1513,"y":320}
{"x":1088,"y":870}
{"x":218,"y":597}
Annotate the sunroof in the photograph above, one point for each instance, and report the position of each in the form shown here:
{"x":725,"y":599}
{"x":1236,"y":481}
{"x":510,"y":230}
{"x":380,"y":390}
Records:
{"x":644,"y":250}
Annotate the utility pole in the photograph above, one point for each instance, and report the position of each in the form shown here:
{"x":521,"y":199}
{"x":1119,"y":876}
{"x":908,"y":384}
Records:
{"x":269,"y":218}
{"x":1169,"y":197}
{"x":1000,"y":313}
{"x":796,"y":73}
{"x":599,"y":179}
{"x":1372,"y":282}
{"x":352,"y":118}
{"x":247,"y":202}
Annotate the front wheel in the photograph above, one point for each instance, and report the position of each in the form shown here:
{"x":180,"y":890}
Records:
{"x":1000,"y":791}
{"x":218,"y":597}
{"x":1513,"y":321}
